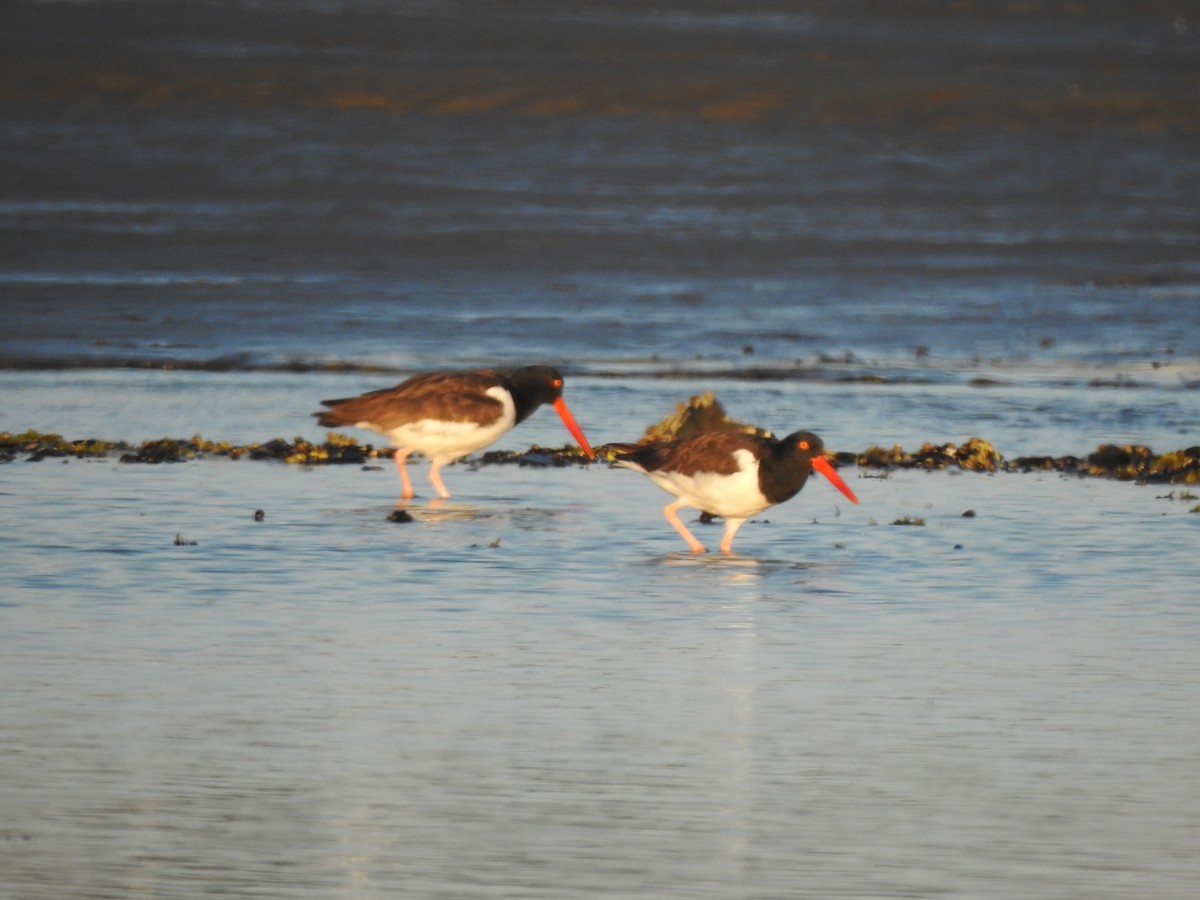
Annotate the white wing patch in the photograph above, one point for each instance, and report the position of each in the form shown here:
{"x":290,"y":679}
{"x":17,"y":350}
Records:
{"x":447,"y":441}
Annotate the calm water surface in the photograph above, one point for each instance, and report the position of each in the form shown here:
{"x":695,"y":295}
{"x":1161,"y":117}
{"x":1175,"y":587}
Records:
{"x":531,"y":692}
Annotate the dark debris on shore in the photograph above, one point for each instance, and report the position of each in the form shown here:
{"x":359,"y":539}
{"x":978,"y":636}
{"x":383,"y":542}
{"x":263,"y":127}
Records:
{"x":1128,"y":462}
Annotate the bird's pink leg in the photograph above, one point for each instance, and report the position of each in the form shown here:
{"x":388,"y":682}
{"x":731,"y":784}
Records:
{"x":435,"y":478}
{"x":731,"y":527}
{"x":670,"y":511}
{"x":406,"y":488}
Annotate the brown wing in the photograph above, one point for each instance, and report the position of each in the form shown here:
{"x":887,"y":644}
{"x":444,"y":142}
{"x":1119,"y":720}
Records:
{"x":709,"y":452}
{"x":444,"y":396}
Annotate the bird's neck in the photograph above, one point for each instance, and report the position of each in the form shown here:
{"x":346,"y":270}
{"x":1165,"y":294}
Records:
{"x":781,"y":475}
{"x":523,"y":404}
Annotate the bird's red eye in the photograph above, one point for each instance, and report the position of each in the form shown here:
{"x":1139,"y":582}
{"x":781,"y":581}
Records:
{"x":803,"y":445}
{"x":558,"y":382}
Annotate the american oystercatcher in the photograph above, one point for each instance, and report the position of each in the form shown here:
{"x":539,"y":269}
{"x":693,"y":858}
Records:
{"x":446,"y":415}
{"x":730,"y":474}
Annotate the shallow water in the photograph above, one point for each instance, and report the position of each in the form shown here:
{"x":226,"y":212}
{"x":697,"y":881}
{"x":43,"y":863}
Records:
{"x":532,"y":692}
{"x":886,"y":226}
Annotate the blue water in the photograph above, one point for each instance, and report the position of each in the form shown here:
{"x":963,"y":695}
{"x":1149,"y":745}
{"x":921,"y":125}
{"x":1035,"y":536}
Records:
{"x":888,"y":226}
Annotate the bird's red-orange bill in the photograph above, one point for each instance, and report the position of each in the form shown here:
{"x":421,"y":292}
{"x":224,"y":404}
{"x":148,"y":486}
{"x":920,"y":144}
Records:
{"x":560,"y":407}
{"x":822,"y":465}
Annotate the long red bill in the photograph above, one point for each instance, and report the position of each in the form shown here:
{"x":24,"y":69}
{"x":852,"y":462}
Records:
{"x":822,"y":465}
{"x":560,"y":407}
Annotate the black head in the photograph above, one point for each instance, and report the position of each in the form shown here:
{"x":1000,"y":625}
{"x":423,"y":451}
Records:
{"x":543,"y":384}
{"x":804,"y":451}
{"x":802,"y":445}
{"x":532,"y":386}
{"x":787,"y":467}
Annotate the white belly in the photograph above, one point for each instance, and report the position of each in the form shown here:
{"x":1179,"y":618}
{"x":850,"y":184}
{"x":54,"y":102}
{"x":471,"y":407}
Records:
{"x":447,"y":441}
{"x":733,"y":496}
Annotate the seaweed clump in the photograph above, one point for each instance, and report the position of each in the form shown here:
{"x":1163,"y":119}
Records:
{"x":1126,"y":462}
{"x":1137,"y":462}
{"x":298,"y":451}
{"x":163,"y":450}
{"x":337,"y":449}
{"x":1129,"y":462}
{"x":976,"y":455}
{"x":1177,"y":467}
{"x":37,"y":445}
{"x":700,"y":414}
{"x":537,"y":456}
{"x":34,"y":446}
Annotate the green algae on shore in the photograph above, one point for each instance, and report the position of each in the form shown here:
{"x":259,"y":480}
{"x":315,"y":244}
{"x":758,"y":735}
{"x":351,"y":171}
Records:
{"x":1125,"y":462}
{"x":38,"y":445}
